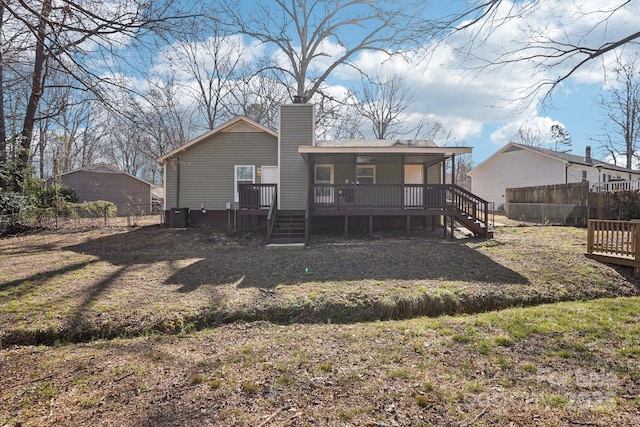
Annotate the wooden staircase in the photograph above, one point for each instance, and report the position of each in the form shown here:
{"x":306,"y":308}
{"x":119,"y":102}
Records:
{"x":470,"y":211}
{"x":472,"y":224}
{"x":288,"y":228}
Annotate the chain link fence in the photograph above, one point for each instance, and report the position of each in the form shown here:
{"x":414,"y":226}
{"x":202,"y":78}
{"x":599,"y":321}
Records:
{"x":547,"y":213}
{"x":80,"y":217}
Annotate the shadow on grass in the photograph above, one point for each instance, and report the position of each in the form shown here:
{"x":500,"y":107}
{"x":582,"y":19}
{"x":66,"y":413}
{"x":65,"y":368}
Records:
{"x":19,"y":287}
{"x":218,"y":260}
{"x":252,"y":265}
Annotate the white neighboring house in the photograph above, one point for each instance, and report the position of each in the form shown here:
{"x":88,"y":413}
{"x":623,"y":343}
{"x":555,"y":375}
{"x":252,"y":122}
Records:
{"x":516,"y":165}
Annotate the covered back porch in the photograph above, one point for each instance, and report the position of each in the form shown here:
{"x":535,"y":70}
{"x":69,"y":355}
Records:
{"x":347,"y":181}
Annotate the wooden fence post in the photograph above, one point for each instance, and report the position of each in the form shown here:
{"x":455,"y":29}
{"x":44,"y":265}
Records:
{"x":636,"y":252}
{"x":590,"y":231}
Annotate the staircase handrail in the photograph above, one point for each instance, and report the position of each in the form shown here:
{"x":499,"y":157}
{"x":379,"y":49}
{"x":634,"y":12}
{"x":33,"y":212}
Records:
{"x":273,"y":214}
{"x":474,"y":206}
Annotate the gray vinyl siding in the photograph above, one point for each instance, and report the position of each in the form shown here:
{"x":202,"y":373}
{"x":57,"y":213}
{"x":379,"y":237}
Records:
{"x":105,"y":184}
{"x":296,"y":128}
{"x":389,"y":173}
{"x":207,"y":169}
{"x":434,"y":174}
{"x":343,"y":172}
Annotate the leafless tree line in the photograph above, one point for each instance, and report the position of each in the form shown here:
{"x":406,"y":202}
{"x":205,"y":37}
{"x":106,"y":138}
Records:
{"x":126,"y":81}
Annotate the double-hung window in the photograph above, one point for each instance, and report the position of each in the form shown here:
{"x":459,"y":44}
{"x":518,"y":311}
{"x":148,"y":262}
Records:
{"x":366,"y":174}
{"x":243,"y":174}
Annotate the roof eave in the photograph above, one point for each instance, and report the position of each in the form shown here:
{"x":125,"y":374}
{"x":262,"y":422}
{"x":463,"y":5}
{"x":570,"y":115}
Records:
{"x":305,"y":150}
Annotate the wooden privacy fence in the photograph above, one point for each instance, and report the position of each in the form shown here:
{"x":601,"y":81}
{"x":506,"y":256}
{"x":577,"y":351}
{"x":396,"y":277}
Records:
{"x":614,"y":242}
{"x":571,"y":203}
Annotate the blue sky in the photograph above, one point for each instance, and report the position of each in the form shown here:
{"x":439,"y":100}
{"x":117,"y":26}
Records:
{"x":477,"y":103}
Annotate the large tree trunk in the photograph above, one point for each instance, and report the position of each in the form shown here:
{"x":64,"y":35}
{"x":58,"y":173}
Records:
{"x":3,"y":130}
{"x":37,"y":88}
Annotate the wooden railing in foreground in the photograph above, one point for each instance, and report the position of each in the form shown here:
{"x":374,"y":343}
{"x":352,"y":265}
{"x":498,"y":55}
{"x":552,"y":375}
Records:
{"x":615,"y":242}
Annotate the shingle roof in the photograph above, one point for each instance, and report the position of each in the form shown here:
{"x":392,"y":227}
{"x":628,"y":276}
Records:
{"x":573,"y":158}
{"x":377,"y":143}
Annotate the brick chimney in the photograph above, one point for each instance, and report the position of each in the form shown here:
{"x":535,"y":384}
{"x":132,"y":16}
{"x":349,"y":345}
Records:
{"x":587,"y":154}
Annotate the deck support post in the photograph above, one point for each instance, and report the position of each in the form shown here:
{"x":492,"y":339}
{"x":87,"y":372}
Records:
{"x":346,"y":227}
{"x":408,"y":225}
{"x":370,"y":226}
{"x":452,"y":227}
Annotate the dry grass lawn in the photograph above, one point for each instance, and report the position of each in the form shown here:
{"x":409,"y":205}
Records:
{"x":157,"y":327}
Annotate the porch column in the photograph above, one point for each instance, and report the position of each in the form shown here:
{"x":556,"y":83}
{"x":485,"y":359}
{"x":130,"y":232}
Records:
{"x":453,"y":169}
{"x":402,"y":191}
{"x":310,"y":174}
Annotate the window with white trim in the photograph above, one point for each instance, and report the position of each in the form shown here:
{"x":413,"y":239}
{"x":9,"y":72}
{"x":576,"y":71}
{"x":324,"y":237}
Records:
{"x":365,"y":174}
{"x":243,"y":174}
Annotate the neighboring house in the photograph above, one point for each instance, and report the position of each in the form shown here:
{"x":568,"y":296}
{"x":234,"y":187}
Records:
{"x":242,"y":172}
{"x":104,"y":182}
{"x":516,"y":165}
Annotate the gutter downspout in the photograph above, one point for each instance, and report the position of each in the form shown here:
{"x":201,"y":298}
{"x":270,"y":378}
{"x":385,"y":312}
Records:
{"x":178,"y":182}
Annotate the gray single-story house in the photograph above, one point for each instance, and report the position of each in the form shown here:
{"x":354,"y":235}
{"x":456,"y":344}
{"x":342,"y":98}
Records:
{"x":101,"y":181}
{"x":242,"y":174}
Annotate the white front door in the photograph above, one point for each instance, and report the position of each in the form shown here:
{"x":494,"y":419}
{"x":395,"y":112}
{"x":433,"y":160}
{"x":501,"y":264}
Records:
{"x":324,"y":175}
{"x":269,"y":175}
{"x":413,"y":174}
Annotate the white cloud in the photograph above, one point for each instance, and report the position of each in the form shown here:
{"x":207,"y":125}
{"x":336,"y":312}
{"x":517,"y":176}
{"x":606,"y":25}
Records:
{"x":537,"y":125}
{"x":451,"y":81}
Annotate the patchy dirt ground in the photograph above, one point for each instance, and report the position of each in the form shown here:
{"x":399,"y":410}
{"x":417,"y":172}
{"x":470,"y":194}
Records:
{"x":332,"y":357}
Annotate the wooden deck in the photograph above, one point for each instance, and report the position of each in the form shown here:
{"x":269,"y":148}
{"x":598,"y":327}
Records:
{"x":614,"y":242}
{"x":350,"y":200}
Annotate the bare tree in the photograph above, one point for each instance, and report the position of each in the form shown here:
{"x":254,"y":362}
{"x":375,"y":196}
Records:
{"x":258,"y":96}
{"x":558,"y":55}
{"x":528,"y":135}
{"x":621,"y":104}
{"x":430,"y":128}
{"x":209,"y":68}
{"x":71,"y":37}
{"x":464,"y":165}
{"x":314,"y":37}
{"x":384,"y":104}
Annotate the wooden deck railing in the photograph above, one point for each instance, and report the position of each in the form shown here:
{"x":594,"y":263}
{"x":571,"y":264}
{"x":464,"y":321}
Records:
{"x":616,"y":242}
{"x":377,"y":199}
{"x":380,"y":196}
{"x":256,"y":196}
{"x":470,"y":204}
{"x":616,"y":186}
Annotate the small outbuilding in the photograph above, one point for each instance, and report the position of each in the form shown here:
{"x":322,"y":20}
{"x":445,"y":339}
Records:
{"x":101,"y":181}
